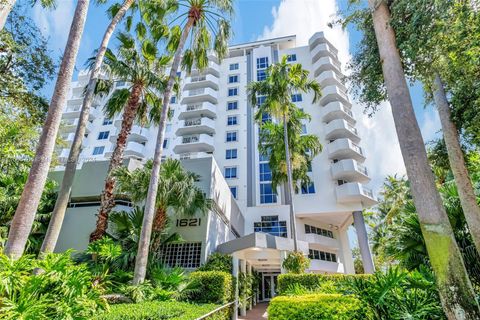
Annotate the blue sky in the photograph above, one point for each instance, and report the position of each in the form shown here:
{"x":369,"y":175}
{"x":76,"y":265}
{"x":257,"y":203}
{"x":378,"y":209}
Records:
{"x":257,"y":19}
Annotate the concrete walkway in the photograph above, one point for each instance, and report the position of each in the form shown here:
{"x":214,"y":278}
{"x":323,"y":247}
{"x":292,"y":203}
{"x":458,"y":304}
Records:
{"x":259,"y":312}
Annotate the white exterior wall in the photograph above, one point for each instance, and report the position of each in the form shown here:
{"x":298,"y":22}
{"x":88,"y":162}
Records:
{"x":325,"y":208}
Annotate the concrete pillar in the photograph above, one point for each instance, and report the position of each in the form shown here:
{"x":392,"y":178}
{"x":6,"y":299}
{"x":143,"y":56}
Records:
{"x":362,"y":235}
{"x":243,"y":269}
{"x":347,"y":259}
{"x":235,"y":275}
{"x":283,"y":256}
{"x":253,"y":298}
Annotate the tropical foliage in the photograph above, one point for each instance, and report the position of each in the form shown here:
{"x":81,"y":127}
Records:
{"x":296,"y":262}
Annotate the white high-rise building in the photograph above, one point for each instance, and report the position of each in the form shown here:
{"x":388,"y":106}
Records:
{"x":213,"y":117}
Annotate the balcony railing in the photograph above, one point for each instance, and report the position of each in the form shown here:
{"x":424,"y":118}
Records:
{"x":368,"y":192}
{"x":362,"y":169}
{"x":191,"y":139}
{"x":357,"y":148}
{"x":195,"y":122}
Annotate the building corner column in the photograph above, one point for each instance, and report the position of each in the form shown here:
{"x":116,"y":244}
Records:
{"x":362,"y":236}
{"x":243,"y":270}
{"x":235,"y":275}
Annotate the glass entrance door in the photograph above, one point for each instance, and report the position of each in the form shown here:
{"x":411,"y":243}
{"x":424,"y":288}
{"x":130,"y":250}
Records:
{"x":269,"y":284}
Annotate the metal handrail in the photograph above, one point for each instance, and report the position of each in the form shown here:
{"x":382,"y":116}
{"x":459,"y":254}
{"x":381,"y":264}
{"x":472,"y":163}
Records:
{"x":215,"y":311}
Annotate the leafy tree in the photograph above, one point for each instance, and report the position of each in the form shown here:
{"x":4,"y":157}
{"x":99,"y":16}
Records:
{"x":140,"y":65}
{"x":282,"y":81}
{"x":218,"y":262}
{"x":202,"y":18}
{"x":443,"y":250}
{"x":296,"y":262}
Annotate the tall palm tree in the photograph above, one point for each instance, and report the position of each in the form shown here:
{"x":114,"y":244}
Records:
{"x":58,"y":213}
{"x":454,"y":286}
{"x":25,"y":214}
{"x":139,"y":65}
{"x":303,"y":148}
{"x":202,"y":19}
{"x":177,"y":192}
{"x":282,"y":81}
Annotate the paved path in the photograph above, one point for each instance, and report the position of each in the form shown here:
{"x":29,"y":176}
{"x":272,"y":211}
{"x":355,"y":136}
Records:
{"x":259,"y":312}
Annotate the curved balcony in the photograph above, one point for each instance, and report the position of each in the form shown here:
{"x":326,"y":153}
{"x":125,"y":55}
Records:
{"x":317,"y":241}
{"x":197,"y":110}
{"x":323,"y":50}
{"x":192,"y":126}
{"x":194,"y":143}
{"x":132,"y":149}
{"x":200,"y":95}
{"x":331,"y":78}
{"x":68,"y":138}
{"x":320,"y":266}
{"x":201,"y":81}
{"x":340,"y":128}
{"x":211,"y":68}
{"x":350,"y":170}
{"x":337,"y":110}
{"x":334,"y":93}
{"x":137,"y":134}
{"x":352,"y":192}
{"x":72,"y":111}
{"x":325,"y":64}
{"x":345,"y":149}
{"x":69,"y":125}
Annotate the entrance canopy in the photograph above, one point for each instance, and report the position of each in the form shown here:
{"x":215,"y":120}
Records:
{"x":262,"y":251}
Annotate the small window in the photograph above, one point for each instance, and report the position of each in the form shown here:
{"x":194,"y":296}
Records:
{"x":173,"y":99}
{"x":107,"y":121}
{"x":234,"y":191}
{"x":261,"y":100}
{"x":297,"y":97}
{"x":98,"y":150}
{"x":291,"y":57}
{"x":165,"y":143}
{"x":231,"y":136}
{"x":308,"y":188}
{"x":267,"y":194}
{"x":103,"y":135}
{"x":265,"y":172}
{"x":262,"y":63}
{"x":261,"y":75}
{"x":232,"y":92}
{"x":232,"y":105}
{"x":233,"y":79}
{"x":304,"y":128}
{"x":231,"y":154}
{"x":230,"y":172}
{"x":234,"y":66}
{"x":232,"y":120}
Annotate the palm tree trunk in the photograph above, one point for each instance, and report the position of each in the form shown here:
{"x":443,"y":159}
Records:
{"x":457,"y":163}
{"x":289,"y":191}
{"x":455,"y":289}
{"x":159,"y":224}
{"x":23,"y":219}
{"x":107,"y":201}
{"x":58,"y":213}
{"x":144,"y":241}
{"x":5,"y":9}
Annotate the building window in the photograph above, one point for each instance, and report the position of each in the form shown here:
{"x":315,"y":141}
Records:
{"x":233,"y":79}
{"x":184,"y":255}
{"x":267,"y":194}
{"x":265,"y":172}
{"x":315,"y":230}
{"x":234,"y":66}
{"x":234,"y":191}
{"x":231,"y":154}
{"x":103,"y":135}
{"x":165,"y":143}
{"x":107,"y":121}
{"x":232,"y":120}
{"x":98,"y":150}
{"x":308,"y":188}
{"x":262,"y":63}
{"x":173,"y":99}
{"x":261,"y":100}
{"x":232,"y":92}
{"x":261,"y":75}
{"x":291,"y":57}
{"x":230,"y":172}
{"x":340,"y":182}
{"x":231,"y":136}
{"x":264,"y":157}
{"x":322,"y":255}
{"x":304,"y":128}
{"x":309,"y":167}
{"x":266,"y":117}
{"x":297,"y":97}
{"x":271,"y":225}
{"x":232,"y":105}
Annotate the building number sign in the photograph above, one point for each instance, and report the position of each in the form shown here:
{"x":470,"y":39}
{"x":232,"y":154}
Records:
{"x":193,"y":222}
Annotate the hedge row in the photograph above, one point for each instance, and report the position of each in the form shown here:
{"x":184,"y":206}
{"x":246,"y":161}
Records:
{"x":212,"y":287}
{"x":316,"y":306}
{"x":155,"y":310}
{"x":312,"y":281}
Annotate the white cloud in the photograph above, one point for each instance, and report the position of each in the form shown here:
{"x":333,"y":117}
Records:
{"x":379,"y":139}
{"x":55,"y":23}
{"x":431,"y":126}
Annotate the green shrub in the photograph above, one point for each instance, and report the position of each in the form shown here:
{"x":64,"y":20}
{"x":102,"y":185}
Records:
{"x":296,"y":262}
{"x":218,"y":262}
{"x":312,"y":282}
{"x":61,"y":291}
{"x":157,"y":310}
{"x":316,"y":306}
{"x":211,"y":287}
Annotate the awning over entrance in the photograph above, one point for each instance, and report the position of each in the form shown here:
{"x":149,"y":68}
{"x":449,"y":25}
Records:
{"x":262,"y":251}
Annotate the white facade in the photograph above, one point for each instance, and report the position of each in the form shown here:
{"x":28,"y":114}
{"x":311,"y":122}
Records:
{"x":213,"y":117}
